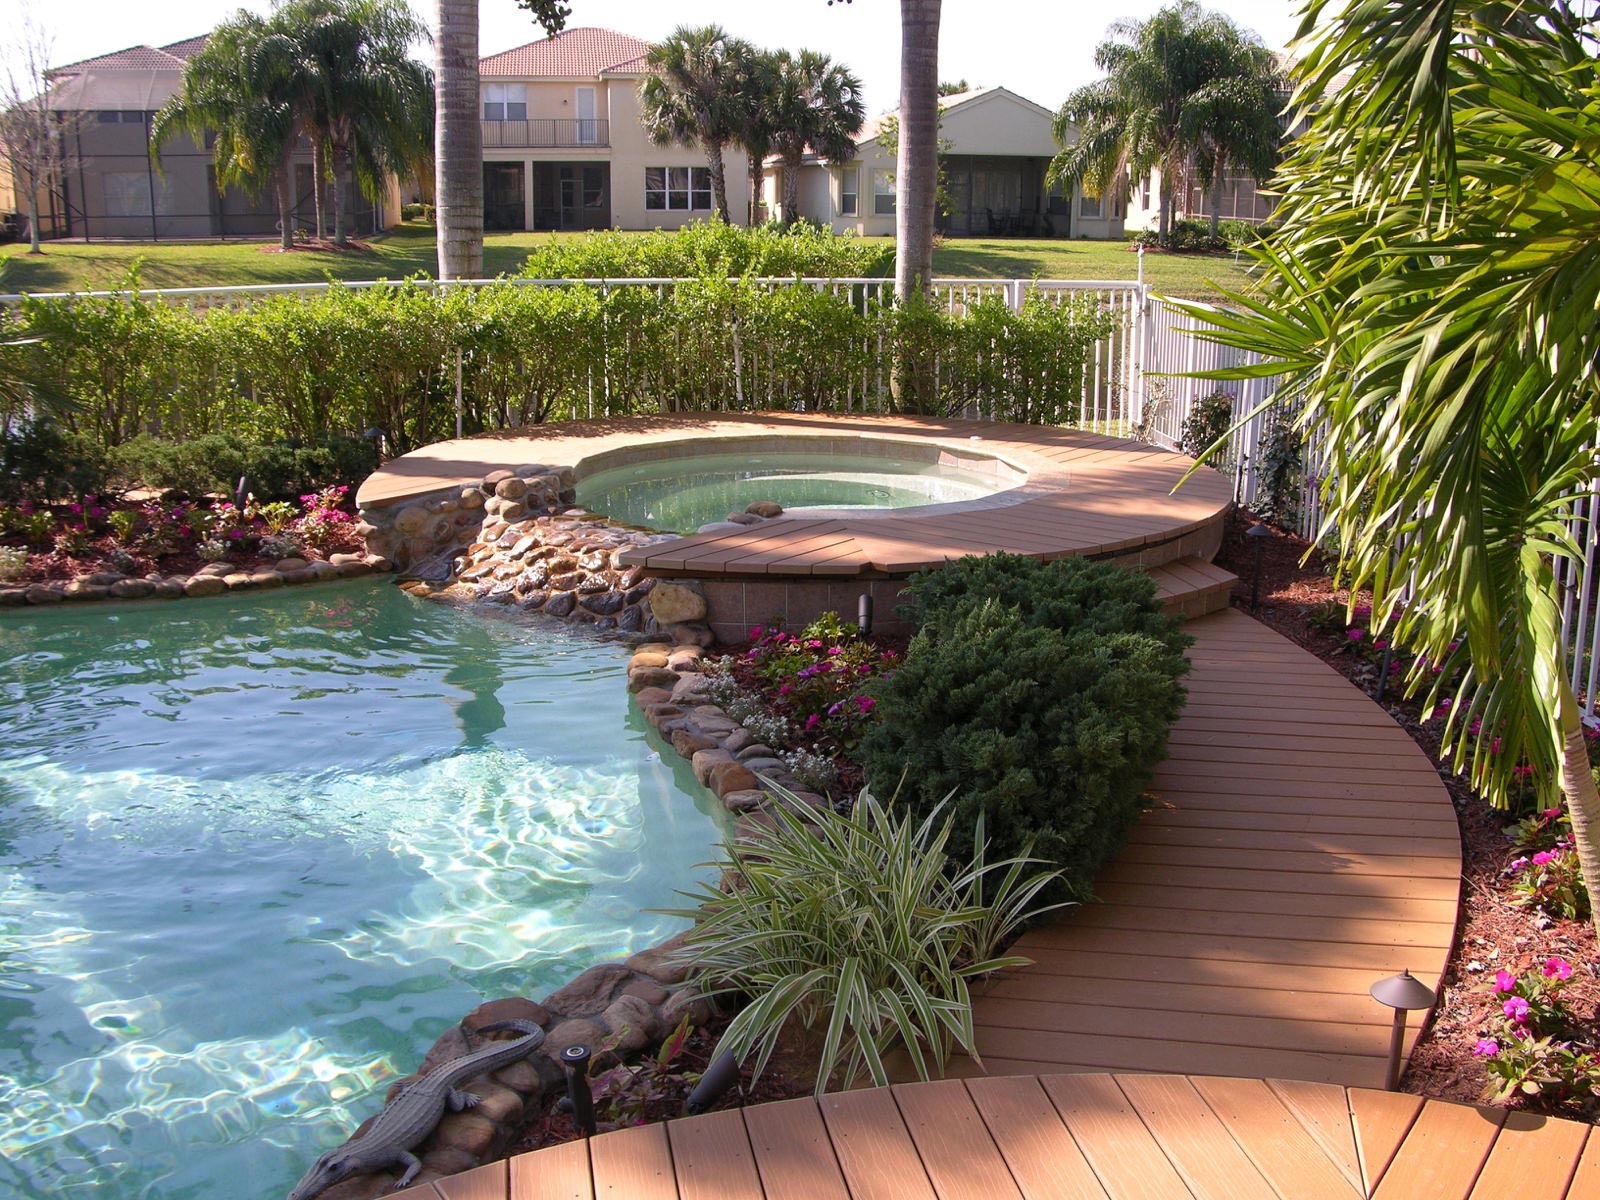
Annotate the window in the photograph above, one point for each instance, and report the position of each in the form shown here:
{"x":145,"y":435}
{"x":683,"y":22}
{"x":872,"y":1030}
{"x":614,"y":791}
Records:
{"x":847,"y":192}
{"x":588,"y":132}
{"x":1088,"y":206}
{"x":681,"y":188}
{"x":505,"y":102}
{"x":122,"y":116}
{"x":883,"y":193}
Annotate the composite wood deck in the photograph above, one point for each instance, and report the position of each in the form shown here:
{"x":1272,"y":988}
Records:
{"x":1301,"y":849}
{"x":1066,"y":1137}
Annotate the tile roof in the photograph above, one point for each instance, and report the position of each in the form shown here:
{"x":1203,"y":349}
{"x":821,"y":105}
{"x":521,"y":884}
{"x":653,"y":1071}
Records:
{"x":580,"y":53}
{"x":134,"y":58}
{"x":187,"y":48}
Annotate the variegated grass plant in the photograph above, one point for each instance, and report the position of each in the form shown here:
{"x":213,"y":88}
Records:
{"x":862,"y":926}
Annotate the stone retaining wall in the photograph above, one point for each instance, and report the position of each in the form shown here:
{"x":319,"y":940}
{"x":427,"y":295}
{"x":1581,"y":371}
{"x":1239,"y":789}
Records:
{"x":210,"y":580}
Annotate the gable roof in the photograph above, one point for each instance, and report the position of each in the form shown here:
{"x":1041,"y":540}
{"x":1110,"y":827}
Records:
{"x":134,"y":58}
{"x":948,"y":104}
{"x":572,"y":53}
{"x":187,"y":48}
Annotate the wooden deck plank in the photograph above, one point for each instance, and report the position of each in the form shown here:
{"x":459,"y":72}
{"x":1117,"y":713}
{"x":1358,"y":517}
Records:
{"x":1442,"y":1154}
{"x":1282,"y":1149}
{"x":1324,"y":1113}
{"x":633,"y":1164}
{"x":557,"y":1173}
{"x":1194,"y":1138}
{"x":488,"y":1182}
{"x":1325,"y":883}
{"x":1381,"y":1121}
{"x":793,"y":1153}
{"x":1122,"y":1151}
{"x":1534,"y":1158}
{"x":712,"y":1158}
{"x":1116,"y":891}
{"x":953,"y":1142}
{"x":1045,"y":1163}
{"x":1585,"y":1183}
{"x":875,"y":1152}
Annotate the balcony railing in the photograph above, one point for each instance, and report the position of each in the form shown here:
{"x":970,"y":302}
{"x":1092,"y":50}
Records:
{"x":543,"y":132}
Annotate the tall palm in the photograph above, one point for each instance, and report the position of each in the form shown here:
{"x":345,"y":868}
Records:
{"x":1233,"y":124}
{"x":234,"y":93}
{"x":692,"y":96}
{"x":359,"y":97}
{"x":458,"y":137}
{"x":756,"y":120}
{"x":1433,"y":297}
{"x":917,"y":163}
{"x":1164,"y":104}
{"x":817,"y":105}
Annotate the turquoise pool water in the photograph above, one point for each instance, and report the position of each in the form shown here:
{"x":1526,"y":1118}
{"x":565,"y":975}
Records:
{"x":257,"y":853}
{"x":681,"y":494}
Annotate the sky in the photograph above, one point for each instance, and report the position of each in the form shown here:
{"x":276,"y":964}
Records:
{"x":1041,"y":49}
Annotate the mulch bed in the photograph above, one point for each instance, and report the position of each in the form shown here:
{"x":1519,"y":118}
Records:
{"x":1493,"y":933}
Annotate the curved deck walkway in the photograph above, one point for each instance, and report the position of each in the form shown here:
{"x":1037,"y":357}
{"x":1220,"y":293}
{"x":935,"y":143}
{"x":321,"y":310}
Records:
{"x":1303,"y":847}
{"x":1066,"y":1137}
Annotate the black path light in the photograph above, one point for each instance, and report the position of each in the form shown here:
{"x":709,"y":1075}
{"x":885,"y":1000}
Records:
{"x":579,"y":1101}
{"x":1403,"y":993}
{"x":864,"y":614}
{"x":1258,"y":535}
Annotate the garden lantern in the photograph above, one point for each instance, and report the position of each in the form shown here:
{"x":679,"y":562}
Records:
{"x":1403,"y":993}
{"x":1258,"y":535}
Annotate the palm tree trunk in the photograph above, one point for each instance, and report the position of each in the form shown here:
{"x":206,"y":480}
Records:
{"x":791,"y":191}
{"x":755,"y":189}
{"x":283,"y":186}
{"x":1583,"y":799}
{"x":316,"y":184}
{"x":1164,"y":223}
{"x":1216,"y":208}
{"x":719,"y":182}
{"x":458,"y":141}
{"x":337,"y":154}
{"x":917,"y":167}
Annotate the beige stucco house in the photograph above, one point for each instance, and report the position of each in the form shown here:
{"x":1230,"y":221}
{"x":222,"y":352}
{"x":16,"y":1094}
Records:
{"x":997,"y":146}
{"x":563,"y":147}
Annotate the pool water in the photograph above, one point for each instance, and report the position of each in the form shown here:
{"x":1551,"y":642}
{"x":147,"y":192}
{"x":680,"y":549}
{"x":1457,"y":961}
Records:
{"x":257,"y":853}
{"x":679,"y":495}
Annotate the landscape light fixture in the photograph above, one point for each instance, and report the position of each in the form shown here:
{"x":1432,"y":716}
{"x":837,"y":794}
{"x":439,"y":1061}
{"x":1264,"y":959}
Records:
{"x":1258,"y":535}
{"x":1403,"y":993}
{"x":864,"y":615}
{"x":579,"y":1100}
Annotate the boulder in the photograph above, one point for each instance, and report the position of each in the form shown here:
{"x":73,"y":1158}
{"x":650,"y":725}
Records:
{"x":589,"y":993}
{"x":688,"y":743}
{"x":765,"y":509}
{"x":674,"y":603}
{"x":510,"y":1008}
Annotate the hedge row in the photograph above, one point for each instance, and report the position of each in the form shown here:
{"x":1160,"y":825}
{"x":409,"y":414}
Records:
{"x":305,"y":368}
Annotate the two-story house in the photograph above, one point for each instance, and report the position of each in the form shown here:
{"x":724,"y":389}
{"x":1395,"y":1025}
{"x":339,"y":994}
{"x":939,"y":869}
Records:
{"x":563,"y":146}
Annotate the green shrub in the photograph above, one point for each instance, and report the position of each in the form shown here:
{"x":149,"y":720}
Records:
{"x":1186,"y":236}
{"x":1208,"y":422}
{"x":206,"y":465}
{"x":1047,"y":716}
{"x":859,"y":924}
{"x":712,"y":249}
{"x":43,"y":461}
{"x":214,"y":464}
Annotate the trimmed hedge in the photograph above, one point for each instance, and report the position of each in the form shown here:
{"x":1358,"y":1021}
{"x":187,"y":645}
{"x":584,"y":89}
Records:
{"x":711,"y":249}
{"x":1038,"y":694}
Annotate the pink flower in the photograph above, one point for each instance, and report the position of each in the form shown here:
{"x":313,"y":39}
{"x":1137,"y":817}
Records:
{"x":1380,"y":644}
{"x":1518,"y":863}
{"x":1504,"y":981}
{"x":1516,"y":1009}
{"x":1355,"y":635}
{"x":812,"y":722}
{"x":1486,"y":1048}
{"x":1550,"y":814}
{"x":753,"y":652}
{"x":757,"y":632}
{"x":865,"y":704}
{"x":1543,"y":857}
{"x":1557,"y":968}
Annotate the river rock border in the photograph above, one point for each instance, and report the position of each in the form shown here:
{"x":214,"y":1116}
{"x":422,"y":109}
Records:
{"x":213,"y":579}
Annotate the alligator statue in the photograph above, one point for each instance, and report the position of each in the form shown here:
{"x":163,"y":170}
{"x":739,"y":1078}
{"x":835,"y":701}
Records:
{"x":412,"y":1114}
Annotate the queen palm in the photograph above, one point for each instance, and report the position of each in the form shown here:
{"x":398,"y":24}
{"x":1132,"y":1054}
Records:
{"x":1176,"y":96}
{"x":1433,"y":297}
{"x":234,"y":93}
{"x":693,"y":96}
{"x":816,"y":104}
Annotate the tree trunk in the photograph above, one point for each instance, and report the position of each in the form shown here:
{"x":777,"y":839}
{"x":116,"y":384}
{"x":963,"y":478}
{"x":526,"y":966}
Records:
{"x":337,"y":155}
{"x":33,"y":219}
{"x":917,"y":166}
{"x":458,"y":141}
{"x":719,"y":182}
{"x":316,"y":186}
{"x":1164,"y":222}
{"x":755,"y":190}
{"x":1216,"y":209}
{"x":791,"y":191}
{"x":1583,"y":800}
{"x":284,"y":188}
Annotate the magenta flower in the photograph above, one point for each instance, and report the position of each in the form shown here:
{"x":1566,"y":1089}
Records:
{"x":1516,"y":1009}
{"x":1519,"y":862}
{"x":756,"y":633}
{"x":812,"y":722}
{"x":1550,"y":814}
{"x":1380,"y":644}
{"x":753,"y":652}
{"x":1545,"y":856}
{"x":1556,"y":968}
{"x":1355,"y":635}
{"x":1486,"y":1048}
{"x":1504,"y":981}
{"x":865,"y":704}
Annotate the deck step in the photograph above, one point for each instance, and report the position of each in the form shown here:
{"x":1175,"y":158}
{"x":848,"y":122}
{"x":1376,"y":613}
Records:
{"x":1192,"y":587}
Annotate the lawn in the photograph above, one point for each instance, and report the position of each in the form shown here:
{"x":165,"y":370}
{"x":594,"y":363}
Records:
{"x":409,"y":250}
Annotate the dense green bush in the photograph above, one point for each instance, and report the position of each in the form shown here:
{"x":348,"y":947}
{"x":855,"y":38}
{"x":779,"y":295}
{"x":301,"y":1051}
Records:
{"x":709,"y":249}
{"x":1189,"y":235}
{"x":214,"y":464}
{"x":1044,"y":711}
{"x":1208,"y":422}
{"x":41,"y":461}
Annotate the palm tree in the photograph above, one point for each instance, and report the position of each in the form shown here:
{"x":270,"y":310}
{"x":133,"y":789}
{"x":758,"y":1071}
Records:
{"x":1433,"y":297}
{"x":757,"y":116}
{"x":817,"y":105}
{"x":1233,"y":124}
{"x":1166,"y":104}
{"x":693,"y":95}
{"x":233,"y":92}
{"x":917,"y":163}
{"x":358,"y":95}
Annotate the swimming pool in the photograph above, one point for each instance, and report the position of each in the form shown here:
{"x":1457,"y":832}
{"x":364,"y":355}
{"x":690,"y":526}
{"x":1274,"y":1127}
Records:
{"x":257,"y":852}
{"x":679,"y":494}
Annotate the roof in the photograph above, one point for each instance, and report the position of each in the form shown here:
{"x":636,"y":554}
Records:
{"x":187,"y":48}
{"x":134,"y":58}
{"x":572,"y":53}
{"x":947,"y":103}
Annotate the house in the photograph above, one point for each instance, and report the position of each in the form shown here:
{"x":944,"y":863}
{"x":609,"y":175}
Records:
{"x":111,"y":188}
{"x":995,"y":149}
{"x":564,"y":148}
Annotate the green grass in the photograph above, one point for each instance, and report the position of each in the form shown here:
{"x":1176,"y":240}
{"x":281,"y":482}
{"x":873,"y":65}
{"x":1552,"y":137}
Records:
{"x":409,"y":250}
